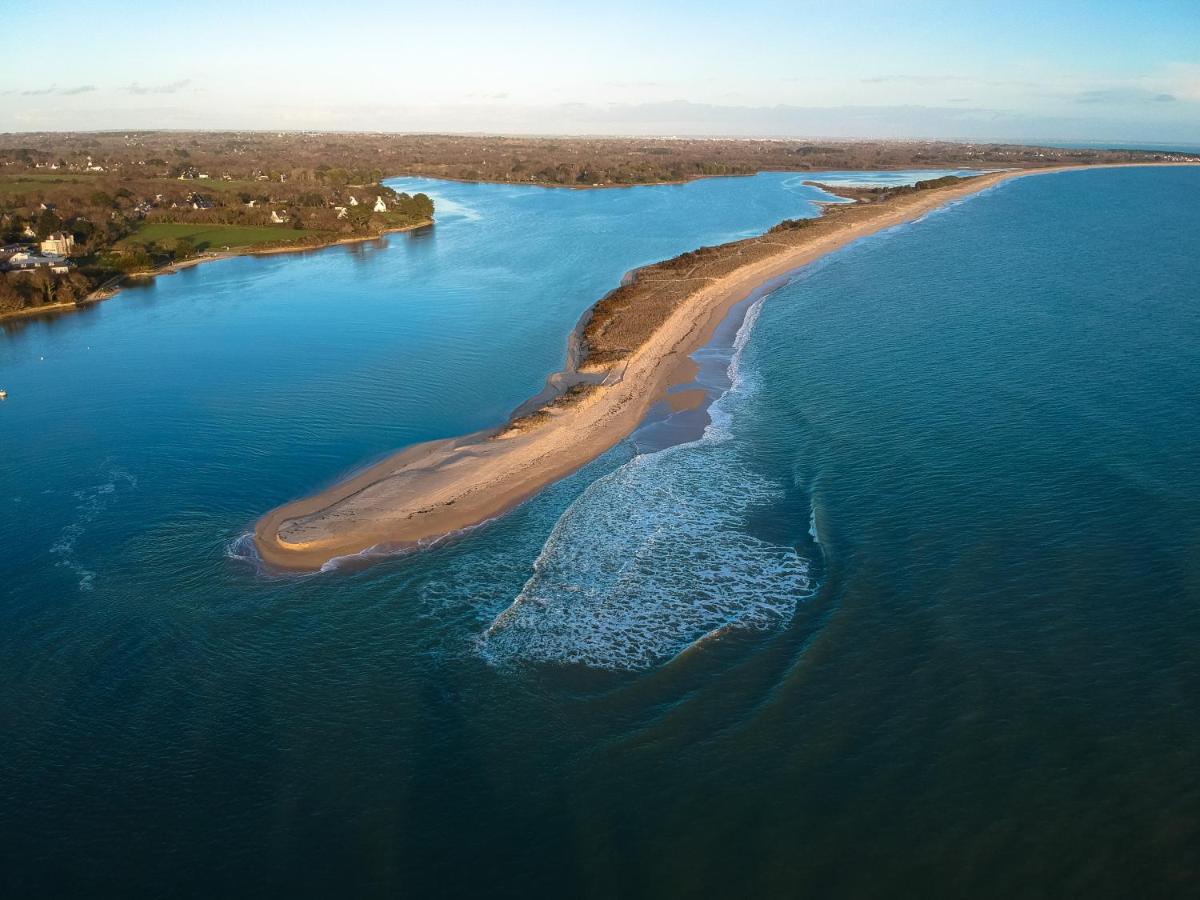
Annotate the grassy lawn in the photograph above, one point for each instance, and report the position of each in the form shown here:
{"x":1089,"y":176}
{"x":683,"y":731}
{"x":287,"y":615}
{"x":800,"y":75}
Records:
{"x":217,"y":237}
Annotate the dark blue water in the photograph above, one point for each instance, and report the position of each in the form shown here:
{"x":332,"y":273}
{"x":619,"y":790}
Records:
{"x":916,"y":616}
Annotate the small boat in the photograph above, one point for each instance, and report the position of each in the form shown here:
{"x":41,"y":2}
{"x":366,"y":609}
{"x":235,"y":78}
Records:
{"x":3,"y":395}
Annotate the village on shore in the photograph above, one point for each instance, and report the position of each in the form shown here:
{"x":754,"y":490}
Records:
{"x":75,"y":222}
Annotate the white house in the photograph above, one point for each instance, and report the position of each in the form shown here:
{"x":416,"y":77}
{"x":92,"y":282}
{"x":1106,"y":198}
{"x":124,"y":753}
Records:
{"x":380,"y":206}
{"x":353,"y":200}
{"x":28,"y":262}
{"x":341,"y":211}
{"x":277,"y":219}
{"x":60,"y":243}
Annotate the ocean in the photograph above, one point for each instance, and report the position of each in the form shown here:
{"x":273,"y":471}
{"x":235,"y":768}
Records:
{"x":913,"y":611}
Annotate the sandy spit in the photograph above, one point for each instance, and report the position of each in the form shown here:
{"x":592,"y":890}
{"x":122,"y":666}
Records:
{"x":430,"y":490}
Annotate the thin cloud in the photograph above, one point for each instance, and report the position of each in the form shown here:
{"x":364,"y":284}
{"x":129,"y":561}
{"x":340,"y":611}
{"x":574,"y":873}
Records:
{"x":1181,"y":80}
{"x":931,"y":80}
{"x":1123,"y":95}
{"x":169,"y":88}
{"x":919,"y":79}
{"x":54,"y":89}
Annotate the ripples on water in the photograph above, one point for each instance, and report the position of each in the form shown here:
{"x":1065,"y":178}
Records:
{"x":984,"y":674}
{"x":92,"y":502}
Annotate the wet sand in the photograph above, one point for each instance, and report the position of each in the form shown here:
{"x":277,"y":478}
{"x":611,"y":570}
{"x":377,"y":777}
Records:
{"x":434,"y":489}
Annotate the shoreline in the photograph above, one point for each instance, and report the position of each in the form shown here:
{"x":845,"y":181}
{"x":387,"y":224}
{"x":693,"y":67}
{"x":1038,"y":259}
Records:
{"x":416,"y":497}
{"x":104,"y":292}
{"x":693,"y":178}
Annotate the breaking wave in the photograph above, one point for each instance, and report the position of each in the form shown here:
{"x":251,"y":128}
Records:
{"x":655,"y":556}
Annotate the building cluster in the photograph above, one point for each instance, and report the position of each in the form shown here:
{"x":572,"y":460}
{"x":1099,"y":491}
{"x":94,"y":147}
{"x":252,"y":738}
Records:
{"x":379,"y":207}
{"x":50,"y":255}
{"x":192,"y":201}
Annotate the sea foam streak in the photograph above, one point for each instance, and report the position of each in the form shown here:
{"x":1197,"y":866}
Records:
{"x":655,"y":556}
{"x":92,"y":504}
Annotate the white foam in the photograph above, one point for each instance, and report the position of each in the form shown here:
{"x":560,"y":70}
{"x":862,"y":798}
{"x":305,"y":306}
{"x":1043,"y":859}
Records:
{"x":92,"y":503}
{"x":447,"y":208}
{"x":243,"y":549}
{"x":655,"y":556}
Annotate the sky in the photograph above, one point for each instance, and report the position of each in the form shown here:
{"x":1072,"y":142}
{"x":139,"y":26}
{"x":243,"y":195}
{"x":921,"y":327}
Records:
{"x":1067,"y":71}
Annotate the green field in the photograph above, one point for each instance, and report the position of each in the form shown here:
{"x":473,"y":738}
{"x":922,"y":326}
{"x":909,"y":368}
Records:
{"x":216,"y":237}
{"x":221,"y":186}
{"x":29,"y":182}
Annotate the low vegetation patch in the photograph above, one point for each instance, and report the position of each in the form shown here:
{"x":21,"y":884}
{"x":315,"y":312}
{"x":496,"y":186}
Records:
{"x":199,"y":238}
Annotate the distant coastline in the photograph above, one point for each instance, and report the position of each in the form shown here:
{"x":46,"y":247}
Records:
{"x":428,"y":491}
{"x":687,"y":179}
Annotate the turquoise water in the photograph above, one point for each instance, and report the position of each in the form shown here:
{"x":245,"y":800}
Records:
{"x":917,"y":615}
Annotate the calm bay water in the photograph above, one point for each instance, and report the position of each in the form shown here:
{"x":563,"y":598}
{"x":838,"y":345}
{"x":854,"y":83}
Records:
{"x":917,"y":615}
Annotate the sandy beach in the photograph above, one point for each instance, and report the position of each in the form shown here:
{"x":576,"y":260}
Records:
{"x":430,"y":490}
